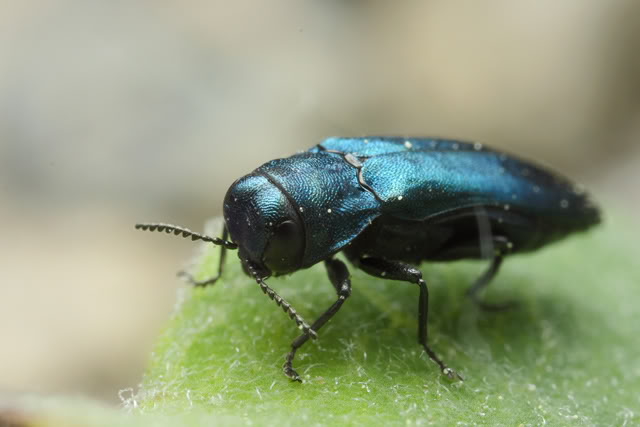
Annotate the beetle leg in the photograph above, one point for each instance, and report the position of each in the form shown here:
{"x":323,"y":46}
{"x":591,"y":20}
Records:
{"x":501,"y":247}
{"x":211,"y":280}
{"x":395,"y":270}
{"x":339,"y":277}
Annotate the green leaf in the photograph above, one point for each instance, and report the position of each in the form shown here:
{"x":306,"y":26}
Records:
{"x":568,"y":354}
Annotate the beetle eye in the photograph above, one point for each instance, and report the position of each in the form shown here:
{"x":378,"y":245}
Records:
{"x":285,"y":248}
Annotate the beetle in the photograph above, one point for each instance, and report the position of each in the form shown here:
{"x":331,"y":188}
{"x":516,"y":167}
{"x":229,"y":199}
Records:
{"x":389,"y":204}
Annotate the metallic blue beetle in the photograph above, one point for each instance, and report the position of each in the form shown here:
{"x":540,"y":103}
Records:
{"x":389,"y":204}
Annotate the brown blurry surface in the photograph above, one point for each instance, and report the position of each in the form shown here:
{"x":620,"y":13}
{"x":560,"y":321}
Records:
{"x":114,"y":112}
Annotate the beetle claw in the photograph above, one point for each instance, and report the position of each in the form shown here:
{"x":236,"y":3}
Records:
{"x":451,"y":374}
{"x":291,"y":373}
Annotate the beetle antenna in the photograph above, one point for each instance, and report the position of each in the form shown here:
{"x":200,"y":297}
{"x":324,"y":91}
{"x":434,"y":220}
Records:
{"x":177,"y":230}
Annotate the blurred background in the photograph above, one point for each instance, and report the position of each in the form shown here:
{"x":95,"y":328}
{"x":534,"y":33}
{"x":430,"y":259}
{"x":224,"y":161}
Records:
{"x":113,"y":112}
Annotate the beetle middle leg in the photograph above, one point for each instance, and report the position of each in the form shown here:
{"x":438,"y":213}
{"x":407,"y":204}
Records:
{"x":339,"y":277}
{"x":213,"y":279}
{"x":395,"y":270}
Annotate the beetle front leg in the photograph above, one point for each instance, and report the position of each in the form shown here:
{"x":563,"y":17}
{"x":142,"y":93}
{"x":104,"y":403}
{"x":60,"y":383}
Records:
{"x":395,"y":270}
{"x":339,"y":277}
{"x":213,"y":279}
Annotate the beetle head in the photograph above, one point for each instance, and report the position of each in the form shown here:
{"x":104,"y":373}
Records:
{"x":266,"y":227}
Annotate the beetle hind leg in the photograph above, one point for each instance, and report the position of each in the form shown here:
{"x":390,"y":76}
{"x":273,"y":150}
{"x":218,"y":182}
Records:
{"x":395,"y":270}
{"x":339,"y":277}
{"x":502,"y":246}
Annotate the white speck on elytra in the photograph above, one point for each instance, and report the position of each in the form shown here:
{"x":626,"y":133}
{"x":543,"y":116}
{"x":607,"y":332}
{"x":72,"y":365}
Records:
{"x":384,"y":273}
{"x":408,"y":144}
{"x":270,"y":224}
{"x":301,"y":210}
{"x":366,"y":141}
{"x":455,"y":146}
{"x":399,"y":197}
{"x":477,"y":146}
{"x":328,"y":210}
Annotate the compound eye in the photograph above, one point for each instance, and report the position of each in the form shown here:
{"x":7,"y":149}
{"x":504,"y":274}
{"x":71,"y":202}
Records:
{"x":283,"y":253}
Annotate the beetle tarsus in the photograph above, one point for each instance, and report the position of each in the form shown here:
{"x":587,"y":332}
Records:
{"x":452,"y":375}
{"x":288,"y":370}
{"x":448,"y":372}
